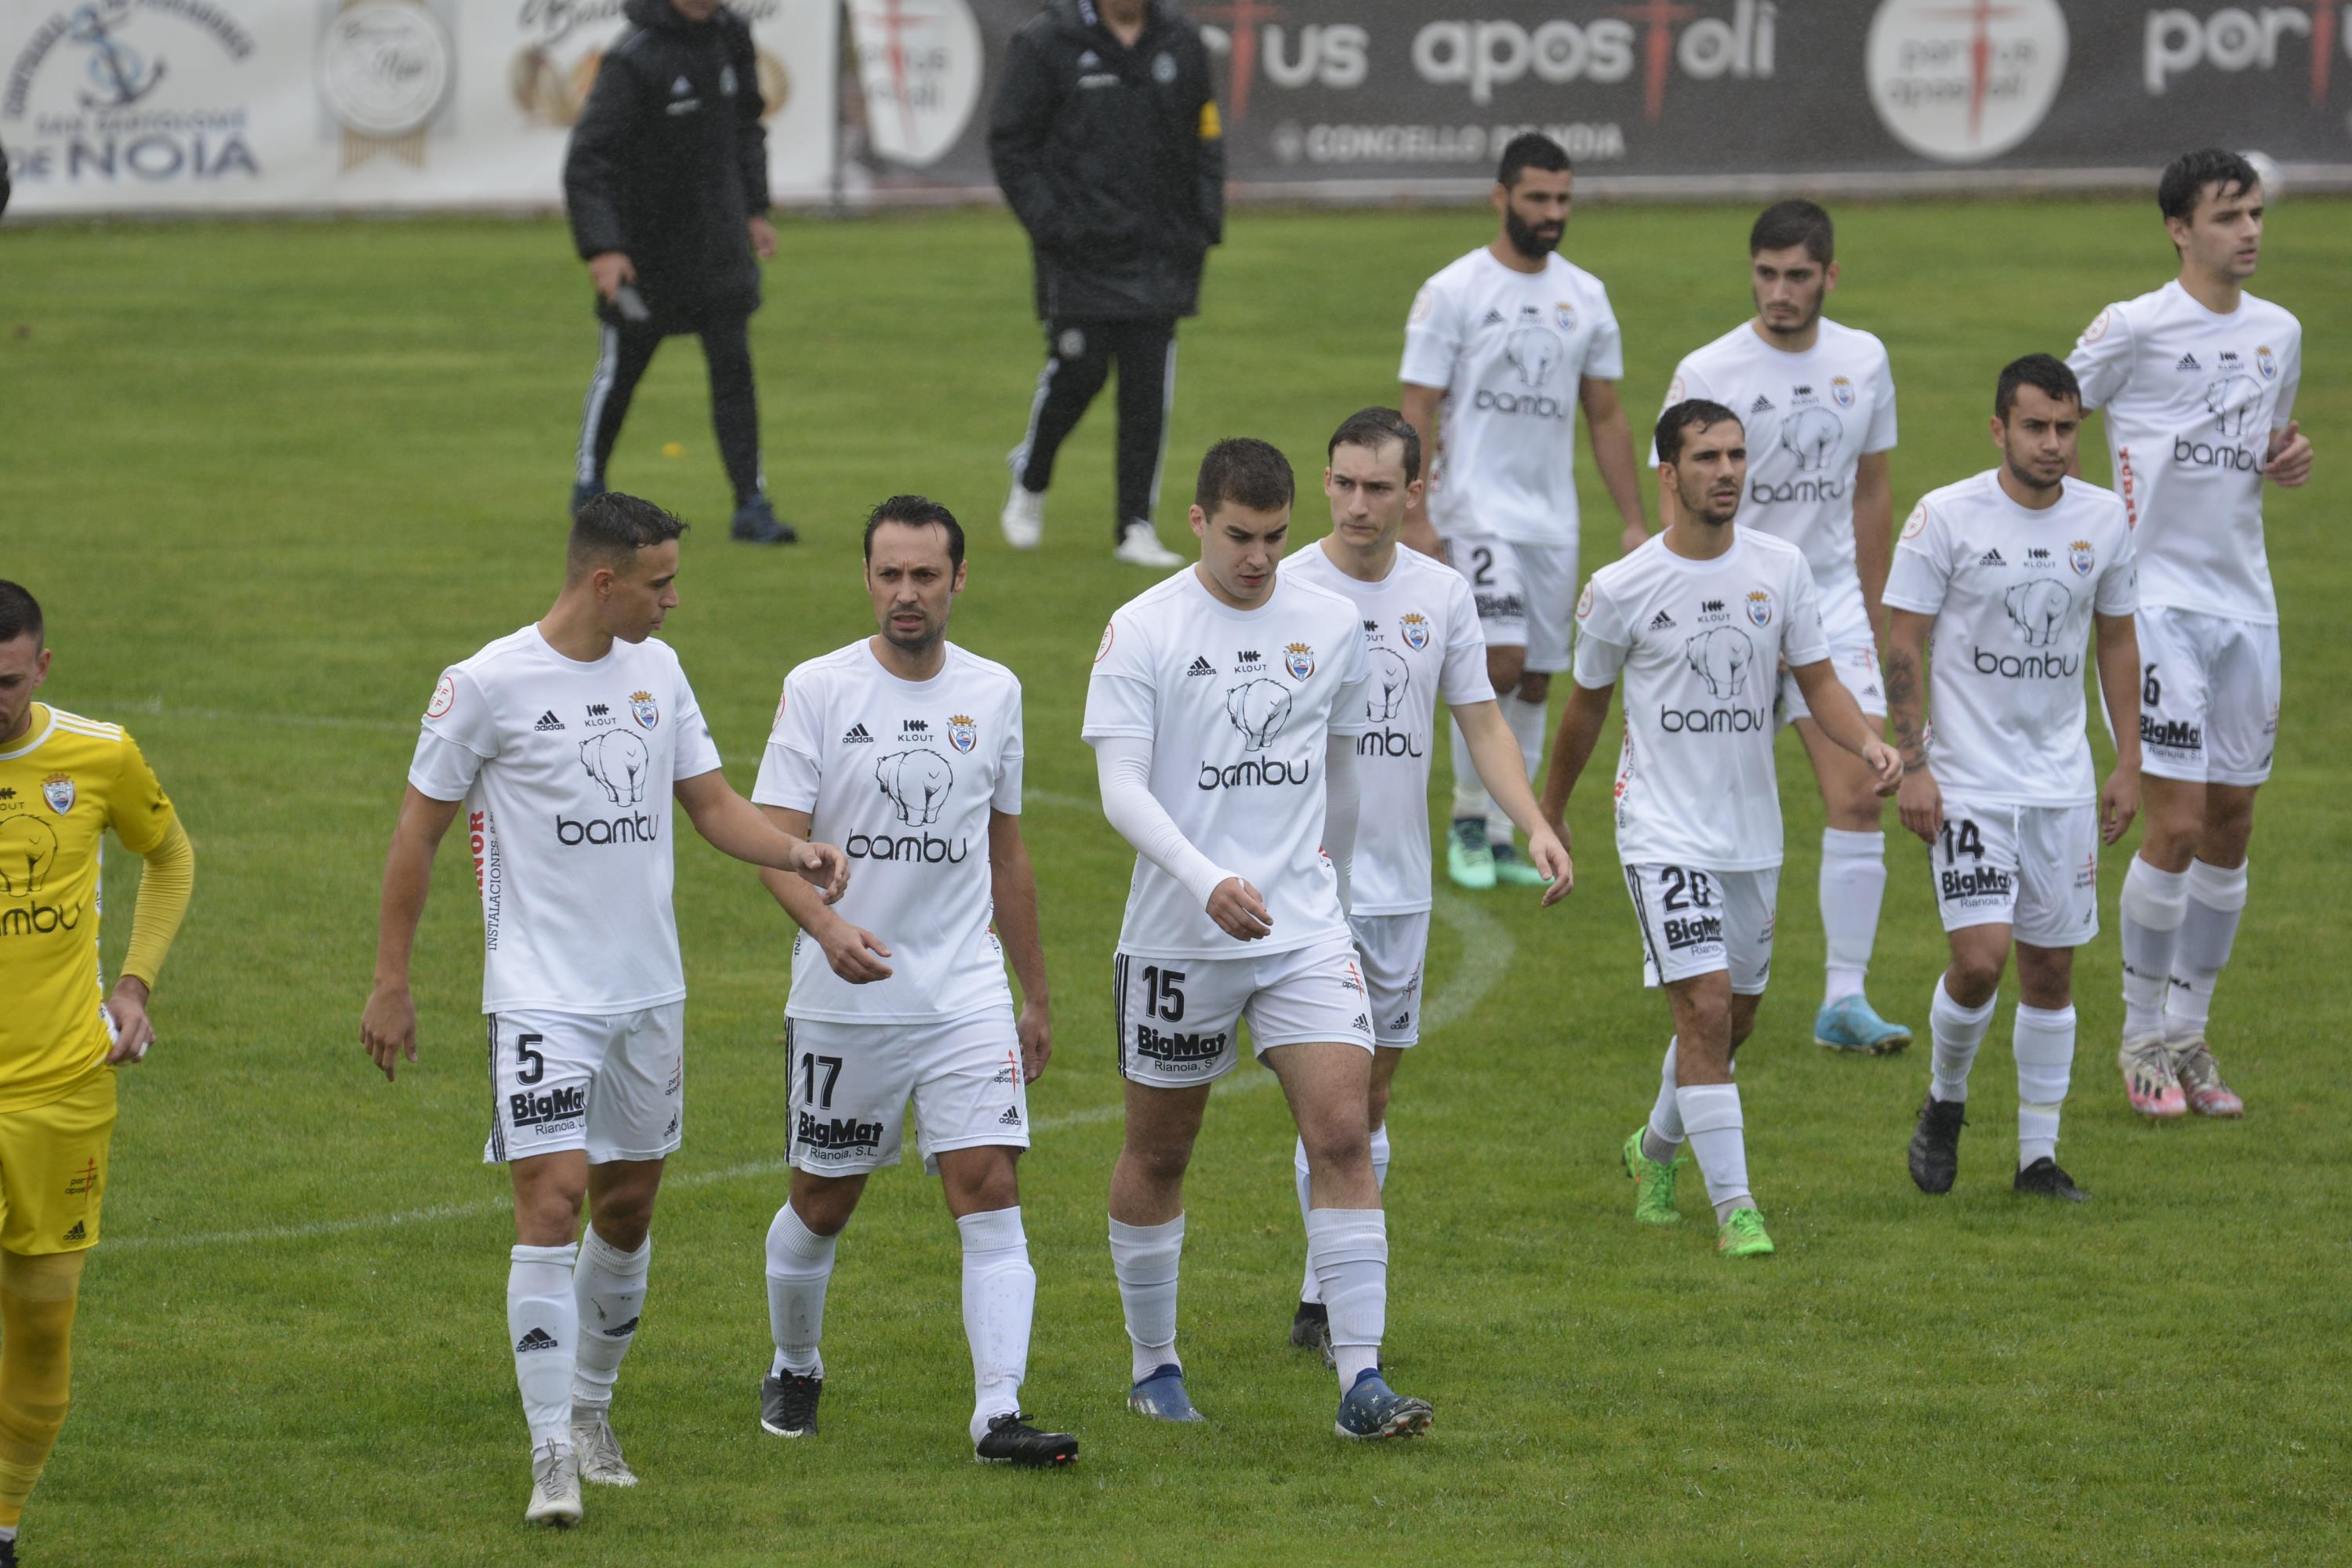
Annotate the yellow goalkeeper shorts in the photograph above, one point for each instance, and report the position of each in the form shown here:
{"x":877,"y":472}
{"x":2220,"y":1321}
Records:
{"x":53,"y":1168}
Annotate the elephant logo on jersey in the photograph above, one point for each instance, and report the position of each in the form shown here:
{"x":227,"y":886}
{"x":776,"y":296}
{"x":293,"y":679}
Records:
{"x":1812,"y":435}
{"x":1259,"y":709}
{"x":2234,"y":401}
{"x":1392,"y":678}
{"x":2038,"y":608}
{"x":1721,"y":657}
{"x":917,"y":782}
{"x":1533,"y":349}
{"x":617,"y":760}
{"x":29,"y":848}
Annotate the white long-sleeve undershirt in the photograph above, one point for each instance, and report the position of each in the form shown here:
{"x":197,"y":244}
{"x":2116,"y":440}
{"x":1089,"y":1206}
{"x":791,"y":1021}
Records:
{"x":1123,"y":770}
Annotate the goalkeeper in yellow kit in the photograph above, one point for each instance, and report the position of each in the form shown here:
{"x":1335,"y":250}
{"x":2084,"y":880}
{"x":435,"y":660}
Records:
{"x":64,"y":781}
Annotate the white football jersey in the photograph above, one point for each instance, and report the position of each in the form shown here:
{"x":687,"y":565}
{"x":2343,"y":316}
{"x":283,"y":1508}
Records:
{"x":2013,"y":592}
{"x":1238,"y":705}
{"x":1700,"y":645}
{"x":2191,"y":399}
{"x":1420,"y":634}
{"x":902,"y":775}
{"x":565,"y":770}
{"x":1510,"y":350}
{"x":1810,"y":417}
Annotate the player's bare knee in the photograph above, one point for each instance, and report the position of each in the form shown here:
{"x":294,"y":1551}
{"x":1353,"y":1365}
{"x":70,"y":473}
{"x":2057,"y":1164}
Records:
{"x":2228,"y":827}
{"x":1504,"y":665}
{"x":2045,"y":977}
{"x":977,"y":1181}
{"x":823,"y":1203}
{"x":1377,"y":1105}
{"x":42,"y":1276}
{"x":1337,"y":1144}
{"x":1535,"y":686}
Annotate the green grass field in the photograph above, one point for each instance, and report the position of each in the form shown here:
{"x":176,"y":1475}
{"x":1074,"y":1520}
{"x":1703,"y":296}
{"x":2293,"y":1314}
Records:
{"x":269,"y":478}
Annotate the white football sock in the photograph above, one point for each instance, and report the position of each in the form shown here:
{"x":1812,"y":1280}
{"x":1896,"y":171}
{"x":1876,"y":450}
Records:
{"x":2153,"y":905}
{"x":1000,"y":1298}
{"x":2208,"y":926}
{"x":1469,"y":795}
{"x":608,"y":1289}
{"x":800,"y":1266}
{"x":1309,"y":1291}
{"x":1712,"y":1123}
{"x":1662,"y":1140}
{"x":1350,"y":1250}
{"x":544,"y":1327}
{"x":1853,"y":887}
{"x":2044,"y":1043}
{"x":1526,"y":722}
{"x":1957,"y":1031}
{"x":1145,"y":1259}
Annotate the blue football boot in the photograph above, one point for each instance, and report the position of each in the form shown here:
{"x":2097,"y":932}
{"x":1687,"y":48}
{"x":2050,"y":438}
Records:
{"x":1850,"y":1024}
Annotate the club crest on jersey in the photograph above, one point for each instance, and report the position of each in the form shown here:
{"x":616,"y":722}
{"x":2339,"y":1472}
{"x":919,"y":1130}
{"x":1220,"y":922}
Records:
{"x":1300,"y":659}
{"x":1414,"y":628}
{"x":2267,"y":362}
{"x":1841,"y":392}
{"x":57,"y":789}
{"x":1760,"y":607}
{"x":643,"y":709}
{"x":444,"y":697}
{"x":1565,"y":314}
{"x":962,"y":734}
{"x":2080,"y":556}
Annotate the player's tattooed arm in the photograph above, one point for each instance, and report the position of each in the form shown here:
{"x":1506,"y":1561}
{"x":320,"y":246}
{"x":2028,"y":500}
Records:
{"x":1918,"y":800}
{"x":2119,"y":672}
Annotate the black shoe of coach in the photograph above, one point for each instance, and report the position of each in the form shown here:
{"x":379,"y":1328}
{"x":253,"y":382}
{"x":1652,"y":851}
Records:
{"x":668,"y":163}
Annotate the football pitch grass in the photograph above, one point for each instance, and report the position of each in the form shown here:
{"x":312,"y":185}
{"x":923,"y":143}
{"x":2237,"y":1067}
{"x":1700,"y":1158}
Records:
{"x":269,"y":478}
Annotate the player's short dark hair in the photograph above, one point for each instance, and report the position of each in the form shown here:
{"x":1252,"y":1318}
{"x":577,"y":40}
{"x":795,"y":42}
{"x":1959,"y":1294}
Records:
{"x":2045,"y":372}
{"x":1373,"y":428}
{"x":917,"y":511}
{"x":610,"y":530}
{"x":1248,"y":472}
{"x":2184,"y":180}
{"x":1795,"y":222}
{"x":1691,"y":413}
{"x":1530,"y":150}
{"x":20,"y":614}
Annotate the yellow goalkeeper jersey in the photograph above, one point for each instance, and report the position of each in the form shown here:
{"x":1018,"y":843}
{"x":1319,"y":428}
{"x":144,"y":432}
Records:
{"x":63,"y":784}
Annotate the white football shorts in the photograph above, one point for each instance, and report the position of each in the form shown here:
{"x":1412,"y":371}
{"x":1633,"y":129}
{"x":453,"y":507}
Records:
{"x":614,"y":1086}
{"x":1695,"y":921}
{"x":1392,"y":949}
{"x":2032,"y":867}
{"x":851,"y":1083}
{"x":2209,"y":696}
{"x":1526,"y":595}
{"x":1856,"y":666}
{"x":1177,"y":1017}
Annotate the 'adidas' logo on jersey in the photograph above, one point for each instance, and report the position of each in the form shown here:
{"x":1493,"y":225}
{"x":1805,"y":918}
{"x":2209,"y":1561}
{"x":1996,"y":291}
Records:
{"x":2187,"y":361}
{"x":1661,"y":621}
{"x":536,"y":1340}
{"x":1494,"y":319}
{"x":1402,"y":1020}
{"x":79,"y":1232}
{"x":1762,"y":405}
{"x":1011,"y":1117}
{"x":1200,"y":666}
{"x":1990,"y":558}
{"x":855,"y":735}
{"x":548,"y":720}
{"x":1364,"y":1023}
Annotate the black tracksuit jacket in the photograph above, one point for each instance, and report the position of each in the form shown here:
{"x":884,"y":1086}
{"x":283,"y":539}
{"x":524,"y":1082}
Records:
{"x":668,"y":163}
{"x":1113,"y":159}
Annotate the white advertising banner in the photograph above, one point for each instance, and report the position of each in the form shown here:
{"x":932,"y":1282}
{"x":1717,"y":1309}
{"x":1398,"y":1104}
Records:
{"x":124,"y":106}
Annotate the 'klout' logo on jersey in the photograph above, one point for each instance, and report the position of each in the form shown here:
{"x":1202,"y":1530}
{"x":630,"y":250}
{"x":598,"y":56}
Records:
{"x":549,"y":1109}
{"x":1177,"y":1048}
{"x":837,"y":1134}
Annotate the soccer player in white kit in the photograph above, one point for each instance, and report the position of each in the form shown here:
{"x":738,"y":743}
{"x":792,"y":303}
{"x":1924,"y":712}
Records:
{"x":1512,"y":339}
{"x":1816,"y":401}
{"x":565,"y":744}
{"x":2196,"y":383}
{"x":2007,"y":574}
{"x":1697,"y":621}
{"x":1421,"y":632}
{"x":1224,"y":710}
{"x":908,"y":750}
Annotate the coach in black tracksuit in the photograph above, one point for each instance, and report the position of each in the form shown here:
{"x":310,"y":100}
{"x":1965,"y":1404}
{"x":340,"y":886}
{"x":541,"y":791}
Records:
{"x":1106,"y":140}
{"x":667,"y":184}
